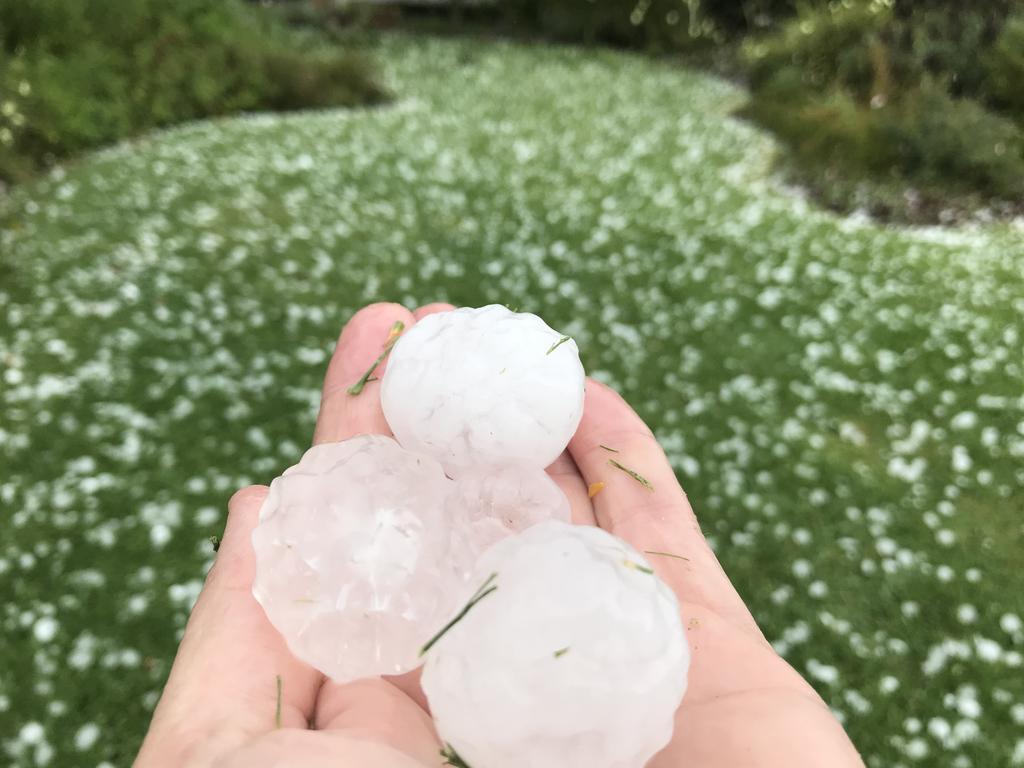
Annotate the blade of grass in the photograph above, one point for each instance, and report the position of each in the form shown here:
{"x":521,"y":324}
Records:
{"x":277,"y":709}
{"x":485,"y":589}
{"x":632,"y":473}
{"x":637,"y":566}
{"x":665,"y":554}
{"x":557,"y":344}
{"x":451,"y":757}
{"x":393,"y":334}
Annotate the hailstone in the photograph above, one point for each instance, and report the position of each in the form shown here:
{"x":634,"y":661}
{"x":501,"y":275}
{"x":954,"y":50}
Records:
{"x":496,"y":502}
{"x":355,"y":562}
{"x":578,"y":658}
{"x":484,"y":387}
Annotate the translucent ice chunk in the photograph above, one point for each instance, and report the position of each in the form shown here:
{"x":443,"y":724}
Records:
{"x":355,"y":561}
{"x":485,"y":387}
{"x":497,"y":502}
{"x":578,"y":659}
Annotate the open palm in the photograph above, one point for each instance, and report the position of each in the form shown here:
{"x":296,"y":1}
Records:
{"x":237,"y":698}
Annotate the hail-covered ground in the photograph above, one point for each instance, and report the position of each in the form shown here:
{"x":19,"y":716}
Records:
{"x":843,"y":403}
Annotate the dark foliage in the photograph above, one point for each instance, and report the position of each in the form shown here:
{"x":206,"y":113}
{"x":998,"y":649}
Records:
{"x":78,"y":75}
{"x":927,"y":96}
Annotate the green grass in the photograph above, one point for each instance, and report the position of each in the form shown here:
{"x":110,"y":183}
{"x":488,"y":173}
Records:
{"x":168,"y":306}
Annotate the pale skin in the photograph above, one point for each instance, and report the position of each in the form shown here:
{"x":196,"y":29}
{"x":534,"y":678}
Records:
{"x":745,"y":706}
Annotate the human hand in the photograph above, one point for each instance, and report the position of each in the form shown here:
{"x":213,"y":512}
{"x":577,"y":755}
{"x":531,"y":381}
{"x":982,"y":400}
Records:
{"x":223,"y":707}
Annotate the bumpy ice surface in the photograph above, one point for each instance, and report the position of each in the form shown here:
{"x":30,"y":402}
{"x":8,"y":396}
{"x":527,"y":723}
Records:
{"x":484,"y":387}
{"x":355,"y":562}
{"x":496,"y":502}
{"x":578,"y":658}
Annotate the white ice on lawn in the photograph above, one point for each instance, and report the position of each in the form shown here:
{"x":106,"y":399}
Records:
{"x":356,"y":565}
{"x":578,"y":658}
{"x":484,"y":387}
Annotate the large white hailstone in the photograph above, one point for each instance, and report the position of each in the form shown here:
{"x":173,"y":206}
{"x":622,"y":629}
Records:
{"x":576,"y":659}
{"x":484,"y":387}
{"x":496,"y":502}
{"x":355,"y":561}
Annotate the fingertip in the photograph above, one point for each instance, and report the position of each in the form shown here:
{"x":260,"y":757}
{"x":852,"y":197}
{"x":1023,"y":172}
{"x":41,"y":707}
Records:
{"x":244,"y":498}
{"x":243,"y":515}
{"x":432,"y":309}
{"x":361,"y":342}
{"x":599,"y":395}
{"x":607,"y":398}
{"x":372,"y":315}
{"x":607,"y":419}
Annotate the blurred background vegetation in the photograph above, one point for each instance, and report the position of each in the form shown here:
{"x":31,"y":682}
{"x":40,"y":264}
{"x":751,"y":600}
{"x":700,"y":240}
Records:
{"x":76,"y":75}
{"x":910,"y":109}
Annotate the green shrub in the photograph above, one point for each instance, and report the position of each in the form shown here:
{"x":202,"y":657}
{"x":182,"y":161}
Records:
{"x":660,"y":24}
{"x":1004,"y":69}
{"x":652,"y":25}
{"x":304,"y":81}
{"x":870,"y":47}
{"x":938,"y":139}
{"x":879,"y":91}
{"x":824,"y":47}
{"x":925,"y":138}
{"x":78,"y":75}
{"x":832,"y":129}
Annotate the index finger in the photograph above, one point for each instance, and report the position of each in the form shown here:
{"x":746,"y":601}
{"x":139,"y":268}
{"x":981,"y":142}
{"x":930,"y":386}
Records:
{"x":642,"y":503}
{"x":362,"y":341}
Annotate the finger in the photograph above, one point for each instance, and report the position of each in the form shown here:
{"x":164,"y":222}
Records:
{"x":409,"y":684}
{"x":343,"y":415}
{"x":315,"y":749}
{"x":223,"y":686}
{"x":781,"y":725}
{"x":430,"y":309}
{"x":726,"y":661}
{"x":567,"y":476}
{"x":376,"y":707}
{"x":655,"y":519}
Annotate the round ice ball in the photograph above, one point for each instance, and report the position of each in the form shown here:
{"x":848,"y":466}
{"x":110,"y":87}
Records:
{"x":484,"y":386}
{"x":578,"y":658}
{"x":355,"y":562}
{"x":495,"y":502}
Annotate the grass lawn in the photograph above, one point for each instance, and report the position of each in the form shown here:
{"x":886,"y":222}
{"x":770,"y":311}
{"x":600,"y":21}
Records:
{"x":843,"y":403}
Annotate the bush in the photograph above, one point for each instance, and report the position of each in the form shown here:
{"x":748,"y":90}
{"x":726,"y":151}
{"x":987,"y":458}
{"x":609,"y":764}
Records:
{"x":78,"y":75}
{"x":1004,"y":69}
{"x":822,"y":48}
{"x":831,"y":129}
{"x":304,"y":81}
{"x":652,"y":25}
{"x":866,"y":90}
{"x":926,"y":139}
{"x":659,"y":24}
{"x":941,"y":140}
